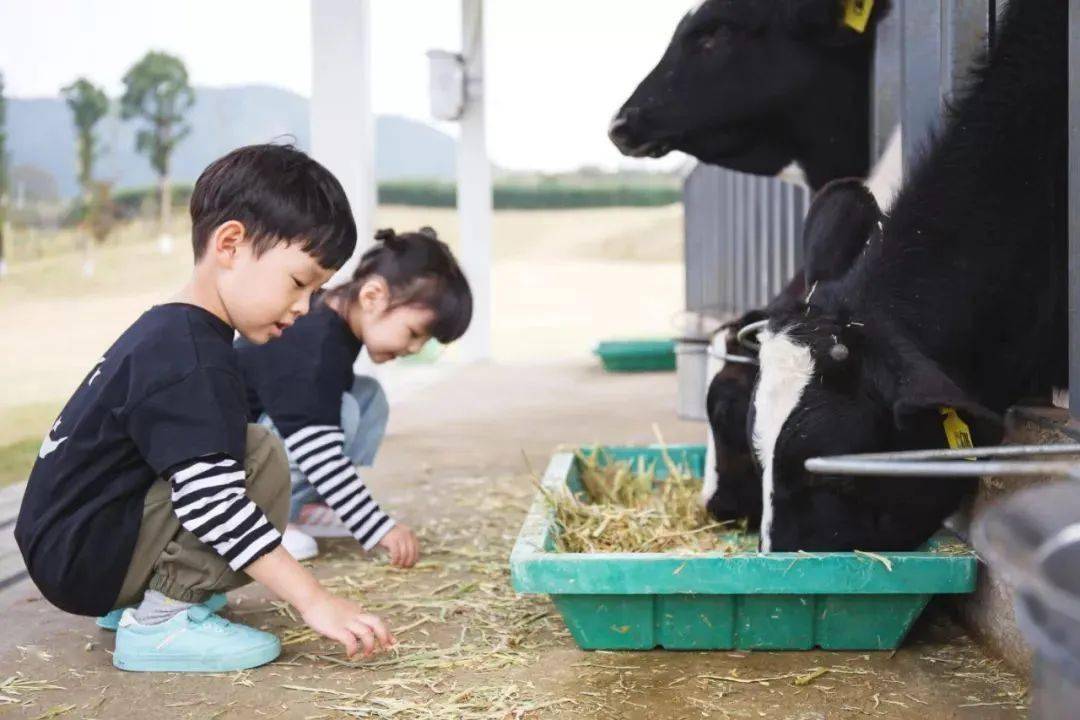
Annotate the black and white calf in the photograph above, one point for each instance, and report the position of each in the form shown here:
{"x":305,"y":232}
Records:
{"x":958,"y":301}
{"x":835,"y":231}
{"x":755,"y":85}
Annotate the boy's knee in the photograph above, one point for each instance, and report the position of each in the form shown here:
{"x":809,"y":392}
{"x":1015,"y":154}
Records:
{"x":267,"y":469}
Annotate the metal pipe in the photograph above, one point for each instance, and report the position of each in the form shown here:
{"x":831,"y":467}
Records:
{"x":744,"y":334}
{"x":732,"y":358}
{"x":954,"y":463}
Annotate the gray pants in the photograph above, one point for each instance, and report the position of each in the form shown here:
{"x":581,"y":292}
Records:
{"x":364,"y":413}
{"x":179,"y":565}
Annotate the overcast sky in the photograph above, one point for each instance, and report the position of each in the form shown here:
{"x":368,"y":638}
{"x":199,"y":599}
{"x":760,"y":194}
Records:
{"x":557,"y":69}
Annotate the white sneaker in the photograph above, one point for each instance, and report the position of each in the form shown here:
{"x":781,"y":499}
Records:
{"x":319,"y":521}
{"x":299,"y":544}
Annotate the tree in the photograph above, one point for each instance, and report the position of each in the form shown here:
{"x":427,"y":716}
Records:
{"x":88,"y":105}
{"x":156,"y":91}
{"x":101,"y":211}
{"x":3,"y":175}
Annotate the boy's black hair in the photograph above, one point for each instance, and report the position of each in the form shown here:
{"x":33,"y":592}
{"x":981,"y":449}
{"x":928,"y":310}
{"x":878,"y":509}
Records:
{"x":420,"y":270}
{"x":280,"y":195}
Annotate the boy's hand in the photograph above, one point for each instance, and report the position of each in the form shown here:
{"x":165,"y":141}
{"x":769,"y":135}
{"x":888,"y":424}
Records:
{"x":334,"y":617}
{"x":345,"y":621}
{"x":402,"y":545}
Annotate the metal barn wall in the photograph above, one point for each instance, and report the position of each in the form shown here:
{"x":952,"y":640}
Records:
{"x":927,"y":50}
{"x":1074,"y":209}
{"x":743,"y":239}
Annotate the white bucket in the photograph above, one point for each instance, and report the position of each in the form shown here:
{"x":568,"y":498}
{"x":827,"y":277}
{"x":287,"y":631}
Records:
{"x":691,"y":366}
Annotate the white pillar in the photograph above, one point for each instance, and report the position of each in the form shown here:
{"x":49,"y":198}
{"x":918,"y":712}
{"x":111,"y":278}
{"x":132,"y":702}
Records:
{"x":474,"y":184}
{"x":342,"y":122}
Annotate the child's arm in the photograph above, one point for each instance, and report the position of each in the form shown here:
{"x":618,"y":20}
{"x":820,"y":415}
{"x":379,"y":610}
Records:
{"x":209,"y":498}
{"x":336,"y":618}
{"x":319,"y":452}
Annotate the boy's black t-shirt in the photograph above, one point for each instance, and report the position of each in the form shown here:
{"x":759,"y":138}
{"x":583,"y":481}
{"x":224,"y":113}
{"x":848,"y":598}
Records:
{"x":168,"y":391}
{"x":298,"y":378}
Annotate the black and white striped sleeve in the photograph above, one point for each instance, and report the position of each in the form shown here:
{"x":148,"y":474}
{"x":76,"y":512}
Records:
{"x":209,"y":498}
{"x":318,"y":450}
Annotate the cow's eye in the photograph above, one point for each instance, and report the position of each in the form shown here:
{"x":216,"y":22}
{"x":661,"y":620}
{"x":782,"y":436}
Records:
{"x":709,"y":41}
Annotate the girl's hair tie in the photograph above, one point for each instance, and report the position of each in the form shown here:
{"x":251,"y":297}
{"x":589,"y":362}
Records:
{"x":386,"y":236}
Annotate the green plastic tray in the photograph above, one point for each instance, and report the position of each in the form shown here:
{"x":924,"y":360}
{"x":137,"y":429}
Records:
{"x":636,"y":355}
{"x":713,"y":601}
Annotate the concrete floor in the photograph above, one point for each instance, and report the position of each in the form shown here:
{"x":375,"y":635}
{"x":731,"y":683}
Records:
{"x":453,"y":467}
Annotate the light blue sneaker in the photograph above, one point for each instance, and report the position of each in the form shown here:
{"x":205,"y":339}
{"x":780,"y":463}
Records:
{"x":111,"y":620}
{"x":196,"y":640}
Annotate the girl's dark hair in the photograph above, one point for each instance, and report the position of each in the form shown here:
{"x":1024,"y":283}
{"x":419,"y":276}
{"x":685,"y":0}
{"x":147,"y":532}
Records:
{"x":420,"y":270}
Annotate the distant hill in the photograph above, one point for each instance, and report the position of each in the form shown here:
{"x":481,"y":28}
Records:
{"x":41,"y":135}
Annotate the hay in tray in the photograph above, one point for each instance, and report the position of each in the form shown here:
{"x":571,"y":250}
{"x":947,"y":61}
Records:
{"x":625,"y":508}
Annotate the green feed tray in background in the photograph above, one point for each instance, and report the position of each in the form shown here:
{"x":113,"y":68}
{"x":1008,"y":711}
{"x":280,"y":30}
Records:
{"x":637,"y":355}
{"x":429,"y":354}
{"x":713,"y":601}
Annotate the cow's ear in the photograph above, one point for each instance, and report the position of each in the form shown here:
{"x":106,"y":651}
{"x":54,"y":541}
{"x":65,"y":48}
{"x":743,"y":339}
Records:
{"x":925,"y":392}
{"x":827,"y":21}
{"x":842,"y":217}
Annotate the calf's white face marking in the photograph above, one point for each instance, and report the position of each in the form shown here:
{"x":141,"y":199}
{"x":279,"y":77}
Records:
{"x":716,"y":363}
{"x":711,"y":481}
{"x":786,"y":369}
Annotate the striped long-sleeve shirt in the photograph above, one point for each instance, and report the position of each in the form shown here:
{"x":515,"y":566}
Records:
{"x":318,"y":450}
{"x":209,"y":498}
{"x":298,"y":381}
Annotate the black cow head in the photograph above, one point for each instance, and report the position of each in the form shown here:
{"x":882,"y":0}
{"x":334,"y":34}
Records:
{"x":737,"y":492}
{"x":832,"y":384}
{"x":834,"y":381}
{"x":753,"y":85}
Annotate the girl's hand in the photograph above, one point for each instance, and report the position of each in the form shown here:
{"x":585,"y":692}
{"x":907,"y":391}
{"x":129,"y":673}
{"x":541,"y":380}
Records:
{"x":345,"y":621}
{"x":402,"y":545}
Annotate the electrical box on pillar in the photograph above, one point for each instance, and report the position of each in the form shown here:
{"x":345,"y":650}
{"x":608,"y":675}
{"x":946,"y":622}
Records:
{"x":446,"y":84}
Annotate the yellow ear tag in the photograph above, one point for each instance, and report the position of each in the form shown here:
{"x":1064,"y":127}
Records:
{"x":857,"y":14}
{"x":956,"y":430}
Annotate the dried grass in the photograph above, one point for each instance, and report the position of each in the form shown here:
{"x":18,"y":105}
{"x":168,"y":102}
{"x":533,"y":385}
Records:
{"x":462,"y":633}
{"x":15,"y":688}
{"x":627,"y":507}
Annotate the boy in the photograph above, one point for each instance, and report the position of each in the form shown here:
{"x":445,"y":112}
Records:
{"x":151,"y":488}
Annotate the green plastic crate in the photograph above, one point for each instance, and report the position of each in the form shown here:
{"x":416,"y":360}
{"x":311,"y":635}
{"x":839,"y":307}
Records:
{"x":713,"y":601}
{"x":636,"y":355}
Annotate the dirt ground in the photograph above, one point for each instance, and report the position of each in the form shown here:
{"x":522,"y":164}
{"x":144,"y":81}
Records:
{"x":453,"y":468}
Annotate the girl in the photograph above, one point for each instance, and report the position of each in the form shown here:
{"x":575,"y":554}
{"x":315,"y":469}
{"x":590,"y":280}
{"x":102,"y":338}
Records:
{"x":406,"y":290}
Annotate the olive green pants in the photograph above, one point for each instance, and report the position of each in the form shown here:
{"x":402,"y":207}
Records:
{"x":175,"y":562}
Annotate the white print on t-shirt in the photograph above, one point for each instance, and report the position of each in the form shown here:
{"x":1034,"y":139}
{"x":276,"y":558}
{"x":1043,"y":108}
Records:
{"x":97,"y":372}
{"x":48,"y":444}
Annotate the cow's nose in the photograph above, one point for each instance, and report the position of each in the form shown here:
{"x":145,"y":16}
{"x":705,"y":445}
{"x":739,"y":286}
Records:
{"x":621,"y":130}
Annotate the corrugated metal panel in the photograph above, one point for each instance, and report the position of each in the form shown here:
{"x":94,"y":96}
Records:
{"x":938,"y":41}
{"x":743,"y":237}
